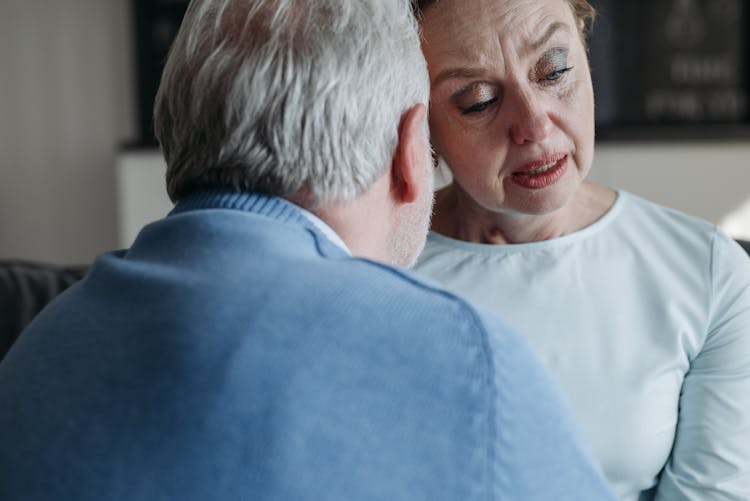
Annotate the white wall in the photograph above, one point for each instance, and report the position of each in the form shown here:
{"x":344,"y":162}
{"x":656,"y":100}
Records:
{"x":141,"y":193}
{"x":65,"y":105}
{"x":707,"y":179}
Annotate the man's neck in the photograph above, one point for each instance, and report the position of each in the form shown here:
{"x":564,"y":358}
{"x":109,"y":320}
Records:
{"x":363,"y":223}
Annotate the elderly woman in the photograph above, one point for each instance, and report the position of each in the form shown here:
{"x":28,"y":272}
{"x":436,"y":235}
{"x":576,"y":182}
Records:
{"x":642,"y":313}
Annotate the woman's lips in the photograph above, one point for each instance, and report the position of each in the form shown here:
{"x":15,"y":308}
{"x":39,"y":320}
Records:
{"x":542,"y":173}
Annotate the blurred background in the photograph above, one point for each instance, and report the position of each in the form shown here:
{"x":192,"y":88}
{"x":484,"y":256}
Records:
{"x":67,"y":103}
{"x":80,"y":172}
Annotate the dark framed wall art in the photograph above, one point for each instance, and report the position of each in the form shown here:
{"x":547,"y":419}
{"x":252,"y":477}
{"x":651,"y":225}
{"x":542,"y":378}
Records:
{"x":671,"y":69}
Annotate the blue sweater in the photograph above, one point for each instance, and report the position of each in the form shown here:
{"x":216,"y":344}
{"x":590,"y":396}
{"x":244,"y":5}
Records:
{"x":235,"y":353}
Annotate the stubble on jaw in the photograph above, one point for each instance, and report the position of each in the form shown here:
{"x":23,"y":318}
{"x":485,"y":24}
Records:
{"x":409,"y":238}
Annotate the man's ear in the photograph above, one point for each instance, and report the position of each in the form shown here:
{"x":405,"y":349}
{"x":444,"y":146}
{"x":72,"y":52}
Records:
{"x":408,"y":166}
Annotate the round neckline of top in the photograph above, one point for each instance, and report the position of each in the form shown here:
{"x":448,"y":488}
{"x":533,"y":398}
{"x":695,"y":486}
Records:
{"x":583,"y":233}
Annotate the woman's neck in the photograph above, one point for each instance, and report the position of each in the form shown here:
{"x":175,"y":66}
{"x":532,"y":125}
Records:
{"x":458,"y":216}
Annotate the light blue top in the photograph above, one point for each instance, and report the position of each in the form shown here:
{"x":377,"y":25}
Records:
{"x":644,"y":319}
{"x":236,"y":353}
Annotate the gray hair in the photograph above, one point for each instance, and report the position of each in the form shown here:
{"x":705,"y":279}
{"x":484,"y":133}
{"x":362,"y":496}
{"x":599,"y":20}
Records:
{"x":288,"y":97}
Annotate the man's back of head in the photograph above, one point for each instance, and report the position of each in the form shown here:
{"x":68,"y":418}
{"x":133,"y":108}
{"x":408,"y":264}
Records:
{"x":288,"y":96}
{"x":300,"y":99}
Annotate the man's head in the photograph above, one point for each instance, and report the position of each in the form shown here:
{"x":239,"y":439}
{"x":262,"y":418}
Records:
{"x":303,"y":99}
{"x":287,"y":96}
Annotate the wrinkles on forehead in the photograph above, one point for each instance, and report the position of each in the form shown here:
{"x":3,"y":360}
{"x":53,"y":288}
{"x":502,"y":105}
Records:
{"x":482,"y":33}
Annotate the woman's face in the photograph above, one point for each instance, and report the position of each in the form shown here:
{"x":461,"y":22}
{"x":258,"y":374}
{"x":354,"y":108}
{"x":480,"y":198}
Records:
{"x":512,"y":108}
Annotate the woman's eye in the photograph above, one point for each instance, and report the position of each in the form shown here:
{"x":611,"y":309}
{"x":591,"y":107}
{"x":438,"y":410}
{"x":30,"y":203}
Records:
{"x":476,"y":97}
{"x":478,"y":107}
{"x":557,"y":74}
{"x":551,"y":67}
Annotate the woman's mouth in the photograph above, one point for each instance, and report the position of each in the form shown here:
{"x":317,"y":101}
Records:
{"x":542,"y":173}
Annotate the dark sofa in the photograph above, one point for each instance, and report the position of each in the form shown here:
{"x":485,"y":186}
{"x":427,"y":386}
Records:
{"x":25,"y":288}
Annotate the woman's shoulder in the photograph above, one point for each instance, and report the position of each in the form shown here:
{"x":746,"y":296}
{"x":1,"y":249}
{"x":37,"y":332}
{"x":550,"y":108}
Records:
{"x":668,"y":234}
{"x":637,"y":206}
{"x":653,"y":224}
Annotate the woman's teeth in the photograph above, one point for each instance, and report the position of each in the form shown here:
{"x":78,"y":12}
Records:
{"x":542,"y":169}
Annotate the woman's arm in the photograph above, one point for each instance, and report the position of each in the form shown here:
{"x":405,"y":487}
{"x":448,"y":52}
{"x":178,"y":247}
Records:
{"x":710,"y":459}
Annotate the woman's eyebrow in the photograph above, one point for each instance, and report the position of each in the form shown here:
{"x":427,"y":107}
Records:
{"x":456,"y":73}
{"x":553,"y":28}
{"x":472,"y":73}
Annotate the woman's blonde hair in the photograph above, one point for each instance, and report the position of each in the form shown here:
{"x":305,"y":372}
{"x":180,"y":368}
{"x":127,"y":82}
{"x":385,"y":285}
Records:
{"x":585,"y":14}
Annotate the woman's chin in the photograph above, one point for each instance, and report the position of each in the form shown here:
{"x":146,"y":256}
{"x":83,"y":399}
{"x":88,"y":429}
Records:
{"x":540,"y":201}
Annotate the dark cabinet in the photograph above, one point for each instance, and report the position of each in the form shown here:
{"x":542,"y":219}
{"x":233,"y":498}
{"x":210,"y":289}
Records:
{"x":671,"y":68}
{"x":156,"y":24}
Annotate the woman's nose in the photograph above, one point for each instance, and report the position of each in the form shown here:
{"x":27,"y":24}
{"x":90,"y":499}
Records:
{"x":529,"y":121}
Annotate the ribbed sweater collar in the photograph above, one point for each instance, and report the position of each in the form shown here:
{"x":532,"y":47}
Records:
{"x":274,"y":207}
{"x":266,"y":205}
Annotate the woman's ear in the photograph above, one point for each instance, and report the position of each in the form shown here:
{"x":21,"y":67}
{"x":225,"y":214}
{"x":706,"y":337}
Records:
{"x":409,"y":174}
